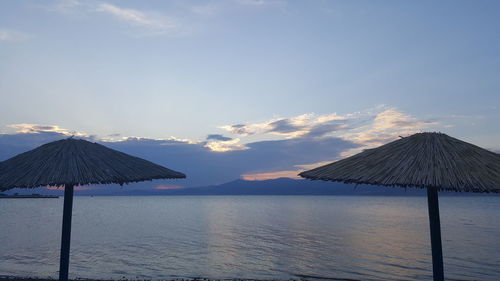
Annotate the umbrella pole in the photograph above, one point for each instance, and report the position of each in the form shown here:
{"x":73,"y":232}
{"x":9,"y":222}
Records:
{"x":66,"y":233}
{"x":435,"y":224}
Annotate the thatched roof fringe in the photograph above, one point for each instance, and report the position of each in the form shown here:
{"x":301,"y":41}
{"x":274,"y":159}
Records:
{"x":422,"y":160}
{"x":77,"y":162}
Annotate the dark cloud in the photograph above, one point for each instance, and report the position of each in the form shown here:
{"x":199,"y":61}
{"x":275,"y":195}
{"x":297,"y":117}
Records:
{"x":13,"y":144}
{"x":45,"y":128}
{"x":283,"y":126}
{"x":324,"y":129}
{"x":218,"y":137}
{"x":240,"y":129}
{"x":202,"y":166}
{"x":285,"y":154}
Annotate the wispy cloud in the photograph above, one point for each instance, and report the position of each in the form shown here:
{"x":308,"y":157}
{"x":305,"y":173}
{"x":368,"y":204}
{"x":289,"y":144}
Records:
{"x":181,"y":18}
{"x":367,"y":128}
{"x":8,"y":35}
{"x":141,"y":21}
{"x":297,"y":126}
{"x":386,"y":126}
{"x":153,"y":22}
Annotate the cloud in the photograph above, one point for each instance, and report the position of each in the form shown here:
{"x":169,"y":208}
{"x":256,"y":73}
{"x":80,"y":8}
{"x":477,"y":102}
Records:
{"x":386,"y":126}
{"x":7,"y":35}
{"x":153,"y":22}
{"x":218,"y":137}
{"x":285,"y":127}
{"x":364,"y":127}
{"x":146,"y":22}
{"x":361,"y":130}
{"x":26,"y":128}
{"x":244,"y":130}
{"x":309,"y":125}
{"x":164,"y":141}
{"x":202,"y":164}
{"x":304,"y":125}
{"x":293,"y":127}
{"x":224,"y":146}
{"x":393,"y":119}
{"x":325,"y":129}
{"x":300,"y":142}
{"x":261,"y":159}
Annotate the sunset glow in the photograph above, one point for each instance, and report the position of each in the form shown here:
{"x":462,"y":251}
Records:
{"x":167,"y":187}
{"x":271,"y":175}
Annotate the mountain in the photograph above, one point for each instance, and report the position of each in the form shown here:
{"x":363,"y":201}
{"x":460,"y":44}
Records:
{"x":287,"y":186}
{"x":281,"y":186}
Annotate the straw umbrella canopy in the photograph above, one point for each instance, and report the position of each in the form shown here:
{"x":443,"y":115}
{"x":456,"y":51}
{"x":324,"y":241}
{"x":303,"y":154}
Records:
{"x":74,"y":162}
{"x":425,"y":160}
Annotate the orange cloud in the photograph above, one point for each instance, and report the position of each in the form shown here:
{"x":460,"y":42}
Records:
{"x":271,"y":175}
{"x":164,"y":187}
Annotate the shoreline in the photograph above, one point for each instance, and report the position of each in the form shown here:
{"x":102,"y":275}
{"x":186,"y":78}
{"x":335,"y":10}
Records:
{"x":301,"y":278}
{"x":20,"y":196}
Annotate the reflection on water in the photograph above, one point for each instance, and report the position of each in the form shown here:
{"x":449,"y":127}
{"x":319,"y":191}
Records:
{"x":265,"y":237}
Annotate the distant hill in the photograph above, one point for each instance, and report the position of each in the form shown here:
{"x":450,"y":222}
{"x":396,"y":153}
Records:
{"x":287,"y":186}
{"x":281,"y":186}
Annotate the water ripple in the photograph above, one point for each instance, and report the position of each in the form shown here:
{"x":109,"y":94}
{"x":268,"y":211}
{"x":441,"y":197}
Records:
{"x":313,"y":238}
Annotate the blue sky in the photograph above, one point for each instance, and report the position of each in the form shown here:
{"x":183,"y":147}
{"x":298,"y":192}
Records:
{"x":254,"y":74}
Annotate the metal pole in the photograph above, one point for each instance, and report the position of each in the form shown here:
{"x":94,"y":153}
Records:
{"x":66,"y":233}
{"x":435,"y":224}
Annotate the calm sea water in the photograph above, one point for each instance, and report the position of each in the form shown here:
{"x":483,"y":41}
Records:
{"x":264,"y":237}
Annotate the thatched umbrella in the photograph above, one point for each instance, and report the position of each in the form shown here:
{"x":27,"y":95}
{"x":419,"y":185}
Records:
{"x":426,"y":160}
{"x":72,"y":162}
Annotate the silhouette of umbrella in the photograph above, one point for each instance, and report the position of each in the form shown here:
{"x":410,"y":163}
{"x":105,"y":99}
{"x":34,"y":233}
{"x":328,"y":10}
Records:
{"x":72,"y":162}
{"x":425,"y":160}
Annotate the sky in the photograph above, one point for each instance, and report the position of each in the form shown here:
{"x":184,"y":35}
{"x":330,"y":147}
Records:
{"x":249,"y":89}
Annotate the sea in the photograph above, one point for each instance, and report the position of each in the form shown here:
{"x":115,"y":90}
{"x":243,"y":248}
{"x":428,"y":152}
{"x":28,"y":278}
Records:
{"x":252,"y":237}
